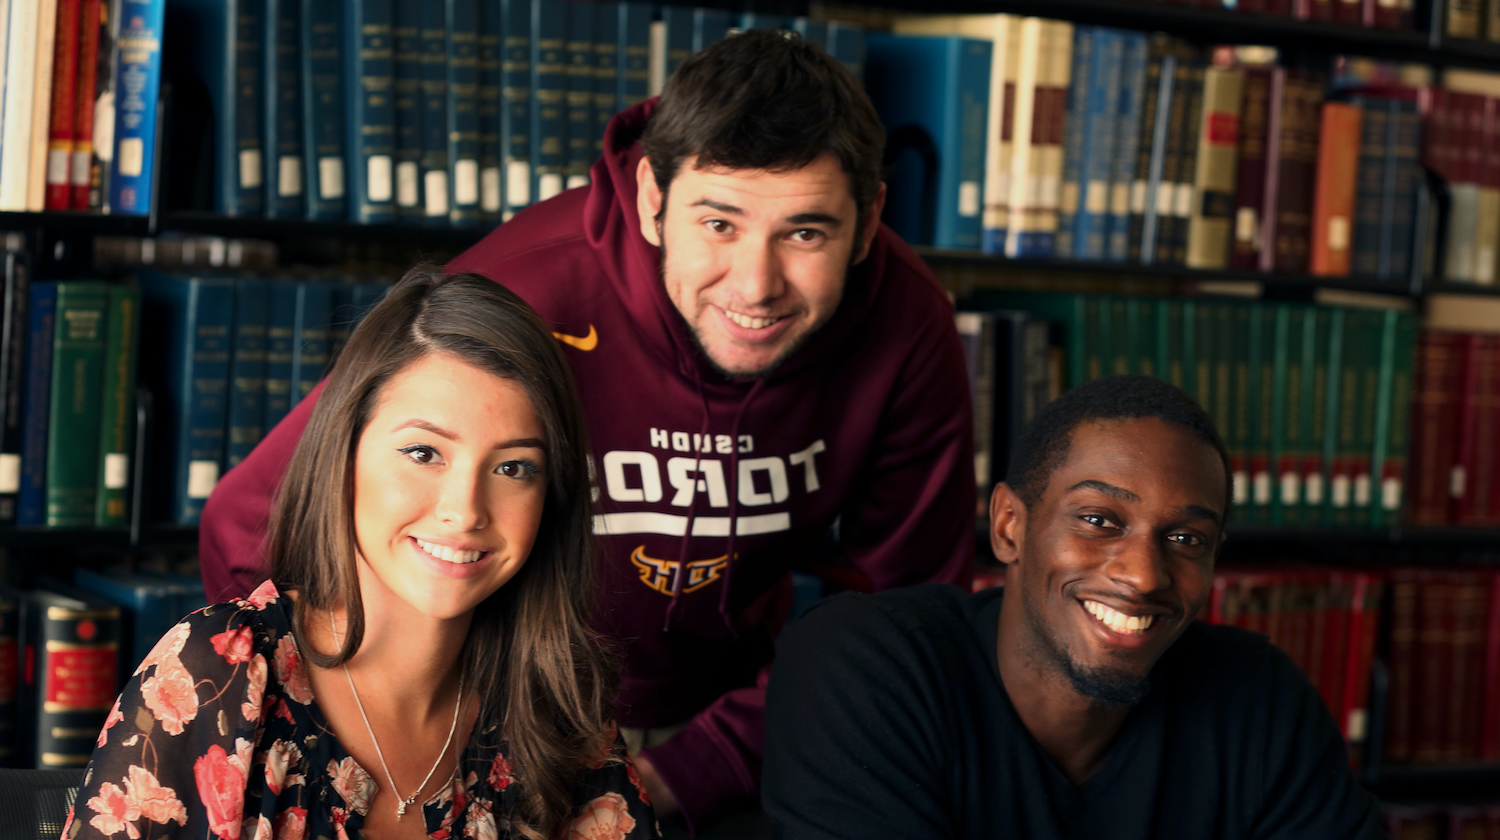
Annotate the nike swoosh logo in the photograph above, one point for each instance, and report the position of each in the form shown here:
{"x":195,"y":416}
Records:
{"x":584,"y":342}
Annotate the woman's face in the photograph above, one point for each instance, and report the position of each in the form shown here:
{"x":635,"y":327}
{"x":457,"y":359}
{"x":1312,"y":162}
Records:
{"x":449,"y":485}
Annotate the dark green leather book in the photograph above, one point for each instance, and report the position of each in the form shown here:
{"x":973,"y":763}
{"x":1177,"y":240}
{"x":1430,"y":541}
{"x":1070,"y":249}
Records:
{"x":117,"y":418}
{"x":73,"y":419}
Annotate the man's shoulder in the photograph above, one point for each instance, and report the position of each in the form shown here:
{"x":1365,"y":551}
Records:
{"x":1220,"y":659}
{"x":542,"y":242}
{"x":906,"y":617}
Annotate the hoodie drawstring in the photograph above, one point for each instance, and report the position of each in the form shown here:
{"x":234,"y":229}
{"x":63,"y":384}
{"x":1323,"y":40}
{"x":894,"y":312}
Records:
{"x":687,"y":533}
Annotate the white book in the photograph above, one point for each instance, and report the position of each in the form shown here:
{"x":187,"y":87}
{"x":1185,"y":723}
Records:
{"x":41,"y":106}
{"x":4,"y":46}
{"x":656,"y":63}
{"x":1023,"y":181}
{"x":15,"y":121}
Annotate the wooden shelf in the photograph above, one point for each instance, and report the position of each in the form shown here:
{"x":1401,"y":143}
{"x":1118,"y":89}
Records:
{"x":1435,"y":782}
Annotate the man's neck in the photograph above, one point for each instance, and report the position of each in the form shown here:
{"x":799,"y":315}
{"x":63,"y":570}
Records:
{"x":1073,"y":730}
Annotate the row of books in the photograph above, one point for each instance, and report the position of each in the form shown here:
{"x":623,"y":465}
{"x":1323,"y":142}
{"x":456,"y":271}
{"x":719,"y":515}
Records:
{"x":458,"y":112}
{"x":66,"y":651}
{"x":1442,"y":822}
{"x":1312,"y":401}
{"x":78,"y":125}
{"x":1379,"y":14}
{"x":1472,"y":19}
{"x":1444,"y":661}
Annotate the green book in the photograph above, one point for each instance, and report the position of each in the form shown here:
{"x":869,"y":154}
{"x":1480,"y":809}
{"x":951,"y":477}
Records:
{"x":1144,"y":326}
{"x":1221,"y":370}
{"x":1122,"y":342}
{"x":1348,"y":426}
{"x":1204,"y":351}
{"x":1266,"y":405}
{"x":1362,"y":455}
{"x":1398,"y":340}
{"x":117,"y":418}
{"x":1244,"y":352}
{"x":1167,"y":335}
{"x":1319,"y":486}
{"x":73,"y":420}
{"x":1286,"y":434}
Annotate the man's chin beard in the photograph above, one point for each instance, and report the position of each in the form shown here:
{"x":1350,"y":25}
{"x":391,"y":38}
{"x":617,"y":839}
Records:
{"x":742,"y":376}
{"x":1103,"y":686}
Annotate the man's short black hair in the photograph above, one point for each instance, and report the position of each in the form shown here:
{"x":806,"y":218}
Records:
{"x":1044,"y":446}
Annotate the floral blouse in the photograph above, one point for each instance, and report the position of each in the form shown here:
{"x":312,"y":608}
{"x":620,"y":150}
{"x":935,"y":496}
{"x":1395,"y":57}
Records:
{"x":217,"y":734}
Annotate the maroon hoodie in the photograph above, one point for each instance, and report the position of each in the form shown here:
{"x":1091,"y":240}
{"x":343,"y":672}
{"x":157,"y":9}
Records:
{"x":868,"y":425}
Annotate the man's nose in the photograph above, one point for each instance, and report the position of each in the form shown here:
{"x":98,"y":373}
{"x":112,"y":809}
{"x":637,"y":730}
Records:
{"x":1141,"y":564}
{"x":756,"y":274}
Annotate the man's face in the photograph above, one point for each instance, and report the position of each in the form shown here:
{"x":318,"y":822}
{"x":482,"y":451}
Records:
{"x":754,"y":260}
{"x":1117,"y":556}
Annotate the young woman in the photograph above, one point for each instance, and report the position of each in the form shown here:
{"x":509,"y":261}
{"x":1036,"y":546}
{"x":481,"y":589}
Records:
{"x":419,"y":663}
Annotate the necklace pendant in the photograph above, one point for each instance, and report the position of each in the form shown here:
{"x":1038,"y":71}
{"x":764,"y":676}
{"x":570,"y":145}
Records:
{"x":401,"y":809}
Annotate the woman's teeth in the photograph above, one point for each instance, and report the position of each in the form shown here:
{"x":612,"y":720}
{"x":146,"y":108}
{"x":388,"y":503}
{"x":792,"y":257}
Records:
{"x":750,"y":323}
{"x":443,"y":552}
{"x":1127,"y":625}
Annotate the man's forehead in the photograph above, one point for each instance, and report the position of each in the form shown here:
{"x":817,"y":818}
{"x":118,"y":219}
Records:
{"x":1114,"y":453}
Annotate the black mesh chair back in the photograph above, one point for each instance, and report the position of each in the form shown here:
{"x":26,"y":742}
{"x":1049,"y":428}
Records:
{"x":34,"y":804}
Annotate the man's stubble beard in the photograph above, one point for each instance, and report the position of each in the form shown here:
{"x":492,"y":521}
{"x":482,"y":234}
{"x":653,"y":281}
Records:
{"x":1103,"y":686}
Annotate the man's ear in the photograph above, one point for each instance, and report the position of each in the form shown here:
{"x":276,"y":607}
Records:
{"x":871,"y":224}
{"x":1007,"y":523}
{"x":648,"y":200}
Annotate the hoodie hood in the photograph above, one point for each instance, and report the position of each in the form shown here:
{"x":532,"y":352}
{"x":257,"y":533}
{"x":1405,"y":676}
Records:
{"x":612,"y":225}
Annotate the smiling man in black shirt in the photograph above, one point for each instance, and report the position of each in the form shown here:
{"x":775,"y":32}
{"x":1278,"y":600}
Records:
{"x":1083,"y":700}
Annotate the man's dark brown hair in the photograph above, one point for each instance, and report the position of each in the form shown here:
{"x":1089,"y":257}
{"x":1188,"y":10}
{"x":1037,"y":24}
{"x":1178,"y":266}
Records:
{"x":766,"y":99}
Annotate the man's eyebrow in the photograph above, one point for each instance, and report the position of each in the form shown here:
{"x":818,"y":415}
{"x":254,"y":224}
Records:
{"x":1107,"y":489}
{"x":1201,"y":512}
{"x":719,"y":206}
{"x":816,"y":219}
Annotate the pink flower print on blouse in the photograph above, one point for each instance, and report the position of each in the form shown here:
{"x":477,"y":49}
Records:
{"x":221,"y":787}
{"x":113,"y":718}
{"x":169,"y":645}
{"x":255,"y":692}
{"x":146,"y":797}
{"x":234,"y":645}
{"x":171,"y":695}
{"x":352,"y":783}
{"x":110,"y":810}
{"x":264,"y":594}
{"x":290,"y":671}
{"x":500,"y":773}
{"x":291,"y":824}
{"x":606,"y":817}
{"x":282,"y":756}
{"x":481,"y":824}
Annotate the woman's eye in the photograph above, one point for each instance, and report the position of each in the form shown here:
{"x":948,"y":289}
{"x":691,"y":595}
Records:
{"x":420,"y":454}
{"x":518,"y":469}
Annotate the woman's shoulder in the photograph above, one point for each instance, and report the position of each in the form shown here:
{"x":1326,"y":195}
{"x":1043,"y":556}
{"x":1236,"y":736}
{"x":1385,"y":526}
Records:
{"x":229,"y":633}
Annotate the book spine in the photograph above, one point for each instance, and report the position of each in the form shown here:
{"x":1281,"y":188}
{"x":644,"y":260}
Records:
{"x":1393,"y":473}
{"x":133,"y":167}
{"x":1489,"y":743}
{"x":608,"y":46}
{"x":1466,"y":155}
{"x":117,"y":423}
{"x":462,"y":110}
{"x":281,"y":325}
{"x":240,"y":93}
{"x":999,"y":134}
{"x":515,"y":116}
{"x":20,"y":90}
{"x":1338,"y":420}
{"x":1263,"y":87}
{"x":1131,"y":119}
{"x":846,"y":43}
{"x":205,"y":382}
{"x":1475,"y":367}
{"x":710,"y":26}
{"x":1463,"y":19}
{"x":31,"y":505}
{"x":434,"y":165}
{"x":1087,"y":77}
{"x":491,"y":203}
{"x":1333,"y":198}
{"x":101,"y":162}
{"x":323,"y":110}
{"x":310,"y":337}
{"x":1155,"y":99}
{"x":1184,"y":191}
{"x":1436,"y":625}
{"x":1290,"y":247}
{"x":282,"y":119}
{"x":75,"y":656}
{"x":407,"y":68}
{"x":1287,"y":442}
{"x":578,"y":53}
{"x":549,"y":89}
{"x":1024,"y":130}
{"x":1211,"y":223}
{"x":679,"y":37}
{"x":247,"y":370}
{"x":41,"y":104}
{"x":1059,"y":69}
{"x":1463,"y":713}
{"x":1104,"y":102}
{"x":1312,"y":418}
{"x":1383,"y":363}
{"x":62,"y":131}
{"x":1243,"y":351}
{"x":10,"y":676}
{"x":1401,"y":238}
{"x":635,"y":54}
{"x":78,"y":341}
{"x":961,"y":187}
{"x":1487,"y":223}
{"x":1157,"y":234}
{"x":89,"y":18}
{"x":1439,"y":373}
{"x":369,"y":66}
{"x":1399,"y":715}
{"x":1369,"y":191}
{"x":976,"y":331}
{"x":16,"y":314}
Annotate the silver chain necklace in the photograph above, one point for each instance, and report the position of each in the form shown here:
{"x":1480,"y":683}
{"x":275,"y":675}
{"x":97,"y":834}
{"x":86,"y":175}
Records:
{"x":452,"y":727}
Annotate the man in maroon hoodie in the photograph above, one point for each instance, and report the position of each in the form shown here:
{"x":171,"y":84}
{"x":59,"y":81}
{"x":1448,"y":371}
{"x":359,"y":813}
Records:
{"x":761,"y":362}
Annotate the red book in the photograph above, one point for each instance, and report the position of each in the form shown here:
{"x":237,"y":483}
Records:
{"x":1333,"y":197}
{"x":1437,"y":609}
{"x":1470,"y":488}
{"x":1319,"y":10}
{"x":90,"y":20}
{"x":1363,"y":628}
{"x":64,"y":91}
{"x":1399,"y":713}
{"x":1490,"y":725}
{"x":1348,"y":11}
{"x":1434,"y":434}
{"x":1337,"y":613}
{"x":1279,"y":8}
{"x":1470,"y":594}
{"x":1259,"y":159}
{"x":1254,"y":7}
{"x":1290,"y":237}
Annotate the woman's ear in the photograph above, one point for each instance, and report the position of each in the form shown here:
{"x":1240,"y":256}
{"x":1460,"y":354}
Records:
{"x":1007,"y":523}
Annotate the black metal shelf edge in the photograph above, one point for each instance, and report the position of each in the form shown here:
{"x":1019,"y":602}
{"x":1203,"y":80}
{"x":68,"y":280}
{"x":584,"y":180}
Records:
{"x":1463,"y":289}
{"x":1434,"y":781}
{"x":256,"y":227}
{"x":1417,"y":537}
{"x":98,"y":223}
{"x":153,"y":535}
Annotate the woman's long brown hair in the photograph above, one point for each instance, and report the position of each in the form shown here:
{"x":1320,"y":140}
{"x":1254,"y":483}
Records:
{"x":543,"y":677}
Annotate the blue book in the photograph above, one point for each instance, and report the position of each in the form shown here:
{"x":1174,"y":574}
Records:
{"x":463,"y":111}
{"x":247,"y":368}
{"x":678,"y":21}
{"x":31,"y":505}
{"x":366,"y":295}
{"x":185,"y":348}
{"x":1105,"y":70}
{"x":282,"y":115}
{"x":813,"y":31}
{"x":340,"y":320}
{"x":406,"y":86}
{"x":227,"y":50}
{"x":846,"y":43}
{"x":515,"y":114}
{"x":323,"y":107}
{"x":148,"y":609}
{"x":187,"y":591}
{"x":138,"y":67}
{"x":607,"y":49}
{"x":549,"y":90}
{"x":1132,"y":89}
{"x":1075,"y":139}
{"x":281,"y":325}
{"x":709,"y":27}
{"x":579,"y":55}
{"x":633,"y":79}
{"x":310,"y":345}
{"x":490,"y":86}
{"x":932,"y":94}
{"x":1376,"y":126}
{"x":437,"y":189}
{"x":760,"y":20}
{"x":370,"y":127}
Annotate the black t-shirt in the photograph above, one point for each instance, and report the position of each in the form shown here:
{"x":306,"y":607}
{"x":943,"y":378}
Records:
{"x":886,"y":717}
